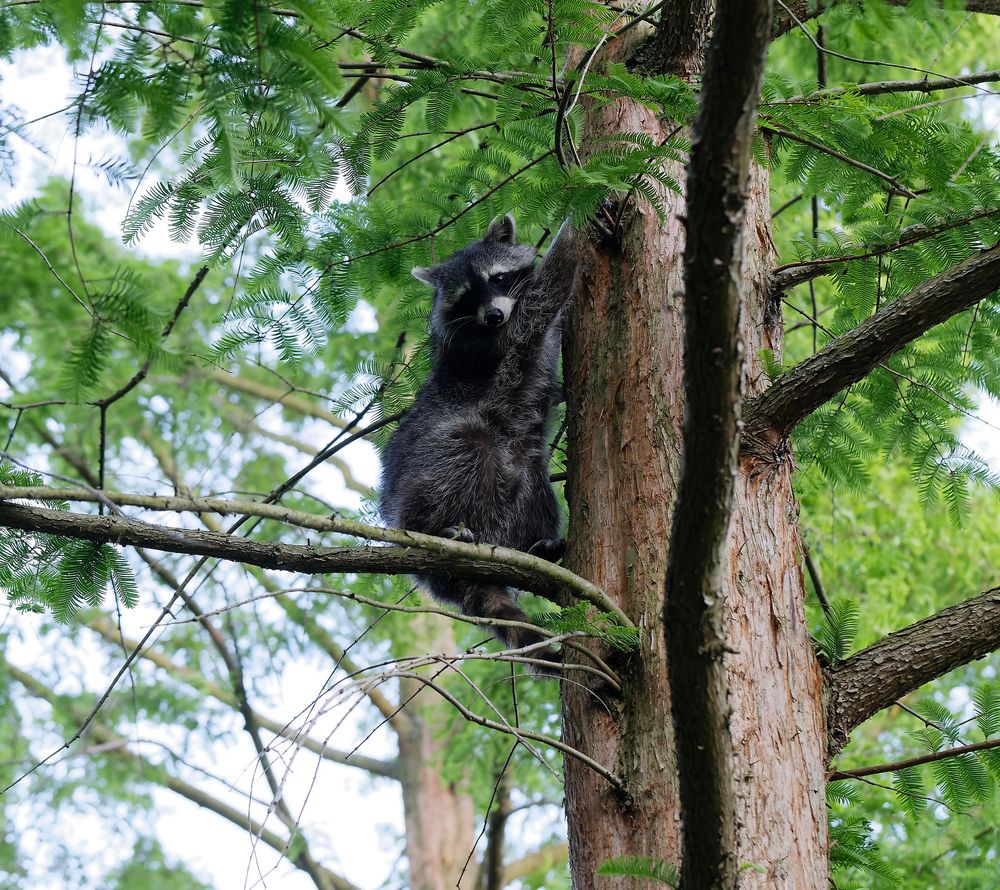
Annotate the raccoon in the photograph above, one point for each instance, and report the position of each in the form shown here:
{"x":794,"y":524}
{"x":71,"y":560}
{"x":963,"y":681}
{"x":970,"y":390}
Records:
{"x":470,"y":460}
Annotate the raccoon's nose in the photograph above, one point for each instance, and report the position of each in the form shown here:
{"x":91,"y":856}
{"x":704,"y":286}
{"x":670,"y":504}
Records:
{"x":493,"y":317}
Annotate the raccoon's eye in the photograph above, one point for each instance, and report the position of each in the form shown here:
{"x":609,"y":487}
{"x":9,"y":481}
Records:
{"x":500,"y":278}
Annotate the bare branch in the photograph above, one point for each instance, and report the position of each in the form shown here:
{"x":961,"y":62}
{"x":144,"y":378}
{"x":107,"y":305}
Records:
{"x":116,"y":745}
{"x":244,"y":421}
{"x":198,"y":681}
{"x":517,"y":732}
{"x":920,"y":760}
{"x":902,"y":662}
{"x":288,"y":398}
{"x":882,"y":87}
{"x":168,"y":328}
{"x":847,"y":359}
{"x":417,"y":553}
{"x":695,"y":629}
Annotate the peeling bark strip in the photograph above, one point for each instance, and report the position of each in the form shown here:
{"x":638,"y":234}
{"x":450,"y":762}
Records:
{"x":851,"y":356}
{"x":694,"y":617}
{"x":902,"y":662}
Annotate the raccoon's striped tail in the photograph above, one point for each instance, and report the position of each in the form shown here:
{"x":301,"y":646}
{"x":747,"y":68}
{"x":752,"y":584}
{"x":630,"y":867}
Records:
{"x":497,"y":602}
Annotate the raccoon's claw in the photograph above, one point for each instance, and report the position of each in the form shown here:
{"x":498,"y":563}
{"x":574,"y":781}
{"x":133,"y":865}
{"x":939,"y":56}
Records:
{"x":552,"y":549}
{"x":459,"y":533}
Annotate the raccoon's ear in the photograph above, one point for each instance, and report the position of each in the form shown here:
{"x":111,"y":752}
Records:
{"x":502,"y":229}
{"x":424,"y":274}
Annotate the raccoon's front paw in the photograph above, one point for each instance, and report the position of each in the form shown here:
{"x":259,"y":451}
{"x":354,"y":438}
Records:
{"x":552,"y":549}
{"x":459,"y":533}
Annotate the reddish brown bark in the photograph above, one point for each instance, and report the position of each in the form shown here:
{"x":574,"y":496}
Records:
{"x":624,"y":384}
{"x":625,"y":412}
{"x":438,"y":814}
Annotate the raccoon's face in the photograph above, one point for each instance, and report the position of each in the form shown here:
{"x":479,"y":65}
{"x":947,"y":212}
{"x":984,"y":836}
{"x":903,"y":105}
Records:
{"x":477,"y":288}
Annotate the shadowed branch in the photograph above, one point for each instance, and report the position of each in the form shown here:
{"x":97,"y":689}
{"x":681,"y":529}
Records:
{"x":902,"y":662}
{"x":770,"y":417}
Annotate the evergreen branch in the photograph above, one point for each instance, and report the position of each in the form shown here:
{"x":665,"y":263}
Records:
{"x":790,"y":275}
{"x":423,"y":236}
{"x":693,"y":617}
{"x":199,"y":682}
{"x":899,"y":375}
{"x":920,"y":760}
{"x":840,"y":156}
{"x":451,"y":137}
{"x":795,"y":12}
{"x":118,"y":746}
{"x":770,"y":417}
{"x":168,"y":328}
{"x":903,"y":661}
{"x":883,"y":87}
{"x":415,"y":554}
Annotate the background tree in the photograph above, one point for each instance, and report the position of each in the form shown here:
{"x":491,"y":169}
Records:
{"x":869,"y":239}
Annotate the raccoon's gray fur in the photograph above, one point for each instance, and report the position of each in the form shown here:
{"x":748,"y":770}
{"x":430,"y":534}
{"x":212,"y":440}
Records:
{"x":471,"y":458}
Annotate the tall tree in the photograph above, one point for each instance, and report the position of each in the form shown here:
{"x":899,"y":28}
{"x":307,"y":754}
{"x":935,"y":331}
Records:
{"x":699,"y":726}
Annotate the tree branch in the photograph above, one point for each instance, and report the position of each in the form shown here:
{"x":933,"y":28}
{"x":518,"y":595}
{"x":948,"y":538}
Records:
{"x":118,"y":746}
{"x":694,"y":622}
{"x":242,"y":421}
{"x":289,"y":399}
{"x":882,"y":87}
{"x":920,"y":760}
{"x":794,"y":396}
{"x":840,"y":156}
{"x":790,"y":275}
{"x":902,"y":662}
{"x":804,"y":10}
{"x":198,"y":681}
{"x":417,"y":553}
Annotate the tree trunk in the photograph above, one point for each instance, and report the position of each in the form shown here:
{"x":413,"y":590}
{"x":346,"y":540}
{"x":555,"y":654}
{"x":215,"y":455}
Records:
{"x":625,"y":405}
{"x":438,"y":815}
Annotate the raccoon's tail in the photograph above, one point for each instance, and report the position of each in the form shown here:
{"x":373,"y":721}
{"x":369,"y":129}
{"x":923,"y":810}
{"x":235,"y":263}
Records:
{"x":494,"y":601}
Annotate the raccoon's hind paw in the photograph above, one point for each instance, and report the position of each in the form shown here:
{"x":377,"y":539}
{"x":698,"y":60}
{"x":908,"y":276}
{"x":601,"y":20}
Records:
{"x":459,"y":533}
{"x":552,"y":549}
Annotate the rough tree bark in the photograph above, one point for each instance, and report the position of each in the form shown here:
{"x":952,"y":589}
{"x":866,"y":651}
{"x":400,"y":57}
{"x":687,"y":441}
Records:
{"x":625,"y":406}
